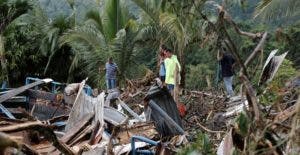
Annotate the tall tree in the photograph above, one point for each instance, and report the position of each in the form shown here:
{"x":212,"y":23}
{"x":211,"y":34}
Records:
{"x":99,"y":35}
{"x":10,"y":10}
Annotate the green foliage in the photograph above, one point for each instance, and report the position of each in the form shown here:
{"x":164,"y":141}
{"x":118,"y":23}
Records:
{"x":243,"y":123}
{"x":196,"y":77}
{"x":285,"y":73}
{"x":10,"y":10}
{"x":202,"y":145}
{"x":275,"y":9}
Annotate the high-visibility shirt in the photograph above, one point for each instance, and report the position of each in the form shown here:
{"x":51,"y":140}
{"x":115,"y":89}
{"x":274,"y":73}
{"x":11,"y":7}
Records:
{"x":174,"y":57}
{"x":170,"y":65}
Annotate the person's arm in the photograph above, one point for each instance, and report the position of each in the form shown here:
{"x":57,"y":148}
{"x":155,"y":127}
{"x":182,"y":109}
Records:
{"x":179,"y":66}
{"x":219,"y":55}
{"x":101,"y":69}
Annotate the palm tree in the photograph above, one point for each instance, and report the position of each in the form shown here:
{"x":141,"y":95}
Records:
{"x":275,"y":9}
{"x":102,"y":34}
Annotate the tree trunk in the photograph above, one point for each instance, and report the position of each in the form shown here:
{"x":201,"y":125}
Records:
{"x":183,"y":69}
{"x":3,"y":61}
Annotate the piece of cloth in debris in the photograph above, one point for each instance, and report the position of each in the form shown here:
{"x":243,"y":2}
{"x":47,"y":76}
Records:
{"x":165,"y":101}
{"x":85,"y":104}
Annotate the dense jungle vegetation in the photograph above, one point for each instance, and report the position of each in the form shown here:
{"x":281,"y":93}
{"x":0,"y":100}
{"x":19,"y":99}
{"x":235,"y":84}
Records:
{"x":67,"y":40}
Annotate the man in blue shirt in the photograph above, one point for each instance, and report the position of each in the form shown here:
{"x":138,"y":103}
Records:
{"x":111,"y":69}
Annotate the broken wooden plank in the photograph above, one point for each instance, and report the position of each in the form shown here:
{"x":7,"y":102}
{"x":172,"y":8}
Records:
{"x":20,"y":90}
{"x":58,"y":118}
{"x":77,"y":128}
{"x":93,"y":136}
{"x":131,"y":112}
{"x":20,"y":126}
{"x":81,"y":135}
{"x":141,"y":129}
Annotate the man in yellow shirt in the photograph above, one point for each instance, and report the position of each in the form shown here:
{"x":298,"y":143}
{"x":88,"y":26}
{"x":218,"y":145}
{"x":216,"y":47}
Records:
{"x":173,"y":67}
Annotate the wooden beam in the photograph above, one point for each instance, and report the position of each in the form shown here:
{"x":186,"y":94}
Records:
{"x":20,"y":90}
{"x":80,"y":125}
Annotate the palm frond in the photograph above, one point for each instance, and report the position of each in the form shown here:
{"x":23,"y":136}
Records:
{"x":150,"y":7}
{"x":93,"y":17}
{"x":124,"y":44}
{"x":112,"y":19}
{"x":275,"y":9}
{"x":88,"y":34}
{"x":171,"y":23}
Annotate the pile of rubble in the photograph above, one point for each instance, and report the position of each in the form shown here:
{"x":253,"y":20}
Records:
{"x":145,"y":119}
{"x":86,"y":124}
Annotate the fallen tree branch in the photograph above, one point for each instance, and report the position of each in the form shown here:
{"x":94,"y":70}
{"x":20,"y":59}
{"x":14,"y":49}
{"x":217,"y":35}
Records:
{"x":230,"y":44}
{"x":287,"y":113}
{"x":257,"y":49}
{"x":248,"y":34}
{"x":208,"y":130}
{"x":206,"y":94}
{"x":251,"y":96}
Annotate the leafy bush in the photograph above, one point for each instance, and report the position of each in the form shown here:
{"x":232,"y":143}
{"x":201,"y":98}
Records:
{"x":285,"y":73}
{"x":202,"y":145}
{"x":196,"y":76}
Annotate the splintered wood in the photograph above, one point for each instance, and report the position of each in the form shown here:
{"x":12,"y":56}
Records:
{"x":141,"y":129}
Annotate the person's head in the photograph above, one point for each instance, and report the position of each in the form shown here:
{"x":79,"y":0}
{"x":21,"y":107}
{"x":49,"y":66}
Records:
{"x":169,"y":52}
{"x":163,"y":49}
{"x":110,"y":60}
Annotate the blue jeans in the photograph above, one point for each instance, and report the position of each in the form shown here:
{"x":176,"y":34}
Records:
{"x":228,"y":85}
{"x":170,"y":87}
{"x":111,"y":83}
